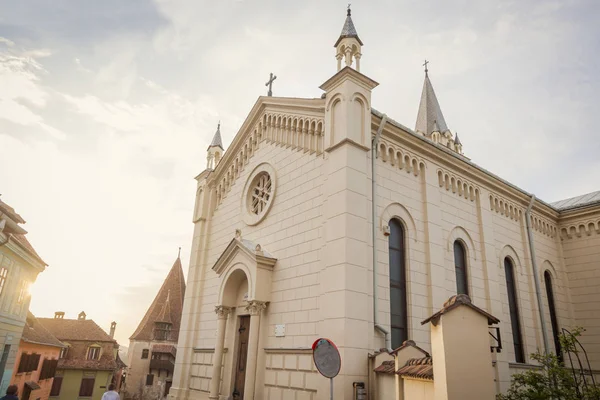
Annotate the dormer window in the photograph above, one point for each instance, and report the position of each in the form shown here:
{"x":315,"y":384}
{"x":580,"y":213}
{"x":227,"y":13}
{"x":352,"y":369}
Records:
{"x":63,"y":352}
{"x":93,"y":352}
{"x":162,"y":331}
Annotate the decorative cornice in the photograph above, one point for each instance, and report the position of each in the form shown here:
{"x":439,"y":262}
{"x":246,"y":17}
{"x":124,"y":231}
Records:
{"x":400,"y":157}
{"x":354,"y":75}
{"x":577,"y":229}
{"x":458,"y":185}
{"x":504,"y":207}
{"x":235,"y":247}
{"x":256,"y":307}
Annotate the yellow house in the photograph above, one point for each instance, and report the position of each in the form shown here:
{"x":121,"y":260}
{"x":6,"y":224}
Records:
{"x":19,"y":267}
{"x":89,"y":363}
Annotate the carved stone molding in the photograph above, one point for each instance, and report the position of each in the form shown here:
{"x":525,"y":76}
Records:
{"x":223,"y":311}
{"x":256,"y":307}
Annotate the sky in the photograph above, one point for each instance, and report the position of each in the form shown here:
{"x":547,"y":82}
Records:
{"x":107,"y":108}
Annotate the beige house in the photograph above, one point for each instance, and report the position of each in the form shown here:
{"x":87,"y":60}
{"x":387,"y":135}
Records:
{"x":326,"y":218}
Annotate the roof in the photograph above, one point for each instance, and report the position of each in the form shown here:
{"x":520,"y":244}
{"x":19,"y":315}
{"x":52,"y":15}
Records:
{"x":75,"y":329}
{"x":386,"y":367}
{"x":217,"y":141}
{"x":421,"y":368}
{"x":577,"y":201}
{"x":409,"y":343}
{"x":8,"y":210}
{"x":166,"y":307}
{"x":430,"y":113}
{"x":164,"y":348}
{"x":34,"y":332}
{"x":105,"y":363}
{"x":22,"y":240}
{"x":455,"y":302}
{"x":348,"y":31}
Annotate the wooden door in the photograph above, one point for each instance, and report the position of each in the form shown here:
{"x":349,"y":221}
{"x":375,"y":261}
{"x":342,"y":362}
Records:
{"x":26,"y":392}
{"x":240,"y":372}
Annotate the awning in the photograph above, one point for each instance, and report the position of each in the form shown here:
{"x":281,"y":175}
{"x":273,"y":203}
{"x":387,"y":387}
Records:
{"x":32,"y":385}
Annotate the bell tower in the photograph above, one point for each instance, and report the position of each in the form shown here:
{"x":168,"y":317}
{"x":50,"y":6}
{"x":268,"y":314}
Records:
{"x":215,"y":150}
{"x":348,"y":45}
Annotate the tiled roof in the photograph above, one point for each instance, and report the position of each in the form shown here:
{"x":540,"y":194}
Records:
{"x":456,"y":301}
{"x":409,"y":343}
{"x":105,"y":363}
{"x":35,"y":332}
{"x":164,"y":348}
{"x":168,"y":300}
{"x":217,"y":141}
{"x":577,"y":201}
{"x":421,"y":368}
{"x":386,"y":367}
{"x":6,"y":209}
{"x":22,"y":240}
{"x":430,"y":118}
{"x":74,"y":329}
{"x":348,"y":30}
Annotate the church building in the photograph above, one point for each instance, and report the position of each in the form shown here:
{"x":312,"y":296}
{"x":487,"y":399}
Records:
{"x":326,"y":218}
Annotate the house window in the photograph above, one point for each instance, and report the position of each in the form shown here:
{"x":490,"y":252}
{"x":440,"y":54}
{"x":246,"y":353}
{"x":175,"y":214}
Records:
{"x":552,"y":309}
{"x":93,"y":353}
{"x":397,"y":265}
{"x":23,"y":292}
{"x":28,"y":363}
{"x":460,"y":267}
{"x":56,"y":385}
{"x":149,"y":379}
{"x":48,"y":369}
{"x":145,"y":353}
{"x":515,"y":322}
{"x":162,"y":331}
{"x":63,"y":352}
{"x":3,"y":276}
{"x":87,"y":387}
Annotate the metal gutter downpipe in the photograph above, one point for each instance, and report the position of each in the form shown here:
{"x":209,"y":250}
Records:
{"x":536,"y":278}
{"x":374,"y":144}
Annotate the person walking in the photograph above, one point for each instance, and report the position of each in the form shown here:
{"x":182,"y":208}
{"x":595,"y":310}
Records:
{"x":11,"y":393}
{"x":110,"y":395}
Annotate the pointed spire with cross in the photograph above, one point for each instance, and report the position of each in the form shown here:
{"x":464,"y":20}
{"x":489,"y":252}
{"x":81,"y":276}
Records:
{"x":425,"y":65}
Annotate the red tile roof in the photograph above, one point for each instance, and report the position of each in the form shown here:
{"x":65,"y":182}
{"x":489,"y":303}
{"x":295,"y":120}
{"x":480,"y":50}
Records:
{"x":409,"y":343}
{"x":22,"y":240}
{"x":12,"y":214}
{"x":75,"y":329}
{"x":35,"y":332}
{"x":421,"y":368}
{"x":386,"y":367}
{"x":166,"y":307}
{"x":456,"y":301}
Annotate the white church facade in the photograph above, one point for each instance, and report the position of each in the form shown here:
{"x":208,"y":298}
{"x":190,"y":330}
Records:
{"x":326,"y":218}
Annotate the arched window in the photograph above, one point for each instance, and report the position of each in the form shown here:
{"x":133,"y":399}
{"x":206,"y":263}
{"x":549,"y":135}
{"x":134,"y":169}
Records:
{"x":552,"y":309}
{"x":460,"y":267}
{"x":398,"y":303}
{"x":515,"y":322}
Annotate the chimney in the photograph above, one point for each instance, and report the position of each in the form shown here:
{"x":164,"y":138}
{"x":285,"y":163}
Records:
{"x":59,"y":315}
{"x":81,"y":316}
{"x":113,"y":326}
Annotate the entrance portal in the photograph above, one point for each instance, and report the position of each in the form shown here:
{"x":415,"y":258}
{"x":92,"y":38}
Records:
{"x":240,"y":371}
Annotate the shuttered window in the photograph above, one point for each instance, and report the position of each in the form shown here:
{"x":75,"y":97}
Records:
{"x":28,"y":363}
{"x":460,"y":267}
{"x":87,"y":387}
{"x":515,"y":321}
{"x":48,"y":369}
{"x":398,"y":302}
{"x":149,"y":379}
{"x":56,"y":385}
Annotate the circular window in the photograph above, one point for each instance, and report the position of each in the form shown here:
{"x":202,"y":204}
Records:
{"x":258,"y":194}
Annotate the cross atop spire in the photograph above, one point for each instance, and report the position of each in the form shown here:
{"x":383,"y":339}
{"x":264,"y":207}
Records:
{"x":425,"y":65}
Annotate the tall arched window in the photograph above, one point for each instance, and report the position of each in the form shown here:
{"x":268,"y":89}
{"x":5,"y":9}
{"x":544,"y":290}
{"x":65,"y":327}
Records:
{"x":460,"y":267}
{"x":515,"y":322}
{"x":552,"y":309}
{"x":398,"y":303}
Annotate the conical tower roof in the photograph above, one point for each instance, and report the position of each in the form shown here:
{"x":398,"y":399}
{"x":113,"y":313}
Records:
{"x":166,"y":307}
{"x":430,"y":113}
{"x":457,"y":140}
{"x":217,"y":141}
{"x":348,"y":31}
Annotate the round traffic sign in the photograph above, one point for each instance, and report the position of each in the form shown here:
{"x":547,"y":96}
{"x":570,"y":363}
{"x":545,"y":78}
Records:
{"x":326,"y":357}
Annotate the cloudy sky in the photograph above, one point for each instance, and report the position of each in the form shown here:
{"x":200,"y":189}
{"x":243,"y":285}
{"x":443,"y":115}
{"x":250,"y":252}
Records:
{"x":107,"y":107}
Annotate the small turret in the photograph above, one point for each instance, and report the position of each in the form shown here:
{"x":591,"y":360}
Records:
{"x":348,"y":45}
{"x":215,"y":150}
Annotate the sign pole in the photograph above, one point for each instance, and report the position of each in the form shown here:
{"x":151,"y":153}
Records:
{"x":330,"y":388}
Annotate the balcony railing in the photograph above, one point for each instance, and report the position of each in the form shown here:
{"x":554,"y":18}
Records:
{"x":166,"y":365}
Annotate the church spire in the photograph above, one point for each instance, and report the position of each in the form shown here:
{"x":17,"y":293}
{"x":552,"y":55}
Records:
{"x":429,"y":118}
{"x":215,"y":150}
{"x":348,"y":45}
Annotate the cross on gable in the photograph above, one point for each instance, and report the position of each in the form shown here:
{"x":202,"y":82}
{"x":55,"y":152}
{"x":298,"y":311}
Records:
{"x":270,"y":84}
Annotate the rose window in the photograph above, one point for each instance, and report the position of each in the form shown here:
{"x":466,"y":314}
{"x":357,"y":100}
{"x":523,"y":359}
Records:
{"x":261,"y":193}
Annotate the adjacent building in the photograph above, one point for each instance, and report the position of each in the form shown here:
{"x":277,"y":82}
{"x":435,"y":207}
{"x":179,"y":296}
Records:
{"x":89,"y":361}
{"x":37,"y":360}
{"x":19,"y":268}
{"x":326,"y":218}
{"x":153,"y":345}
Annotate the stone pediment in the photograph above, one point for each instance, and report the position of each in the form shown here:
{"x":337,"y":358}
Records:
{"x":248,"y":249}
